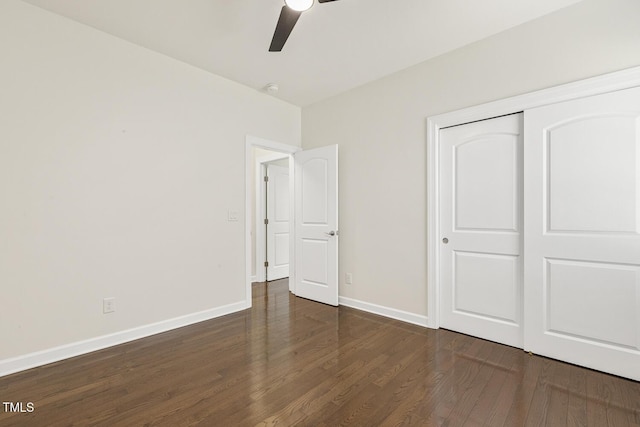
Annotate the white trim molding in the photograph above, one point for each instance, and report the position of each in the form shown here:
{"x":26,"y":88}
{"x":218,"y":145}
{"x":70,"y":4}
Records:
{"x":611,"y":82}
{"x":380,"y":310}
{"x":55,"y":354}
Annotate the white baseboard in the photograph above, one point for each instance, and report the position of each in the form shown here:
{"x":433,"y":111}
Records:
{"x":380,"y":310}
{"x":253,"y":278}
{"x":44,"y":357}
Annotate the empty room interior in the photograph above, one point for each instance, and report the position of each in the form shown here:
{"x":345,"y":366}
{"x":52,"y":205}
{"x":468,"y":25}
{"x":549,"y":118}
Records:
{"x":323,"y":213}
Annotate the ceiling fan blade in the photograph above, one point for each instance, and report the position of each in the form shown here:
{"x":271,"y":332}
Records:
{"x":325,"y":1}
{"x":286,"y":22}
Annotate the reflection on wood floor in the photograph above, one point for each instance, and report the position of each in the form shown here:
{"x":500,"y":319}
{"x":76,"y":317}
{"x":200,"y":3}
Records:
{"x":290,"y":361}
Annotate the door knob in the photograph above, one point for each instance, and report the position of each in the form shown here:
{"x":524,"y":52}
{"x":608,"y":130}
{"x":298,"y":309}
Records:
{"x":331,"y":233}
{"x":445,"y":240}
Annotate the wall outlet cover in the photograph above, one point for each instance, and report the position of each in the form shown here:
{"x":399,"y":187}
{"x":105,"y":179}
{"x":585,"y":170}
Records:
{"x":108,"y":305}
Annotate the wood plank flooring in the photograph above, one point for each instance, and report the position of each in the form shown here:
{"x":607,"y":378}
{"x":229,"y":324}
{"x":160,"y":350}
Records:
{"x":290,"y":361}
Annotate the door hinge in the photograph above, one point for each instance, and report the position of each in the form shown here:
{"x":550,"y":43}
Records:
{"x":266,"y":263}
{"x":266,"y":221}
{"x":266,"y":179}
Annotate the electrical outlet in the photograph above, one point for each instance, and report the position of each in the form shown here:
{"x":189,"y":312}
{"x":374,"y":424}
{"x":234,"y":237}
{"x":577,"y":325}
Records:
{"x":108,"y":305}
{"x":232,"y":216}
{"x":348,"y":278}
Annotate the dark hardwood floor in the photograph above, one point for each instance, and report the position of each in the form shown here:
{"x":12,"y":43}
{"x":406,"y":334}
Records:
{"x":290,"y":361}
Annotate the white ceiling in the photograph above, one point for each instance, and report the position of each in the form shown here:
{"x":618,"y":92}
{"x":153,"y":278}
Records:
{"x":334,"y":47}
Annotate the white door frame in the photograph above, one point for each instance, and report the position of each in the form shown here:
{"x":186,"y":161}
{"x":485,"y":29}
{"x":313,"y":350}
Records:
{"x":261,"y":201}
{"x":251,"y":142}
{"x":597,"y":85}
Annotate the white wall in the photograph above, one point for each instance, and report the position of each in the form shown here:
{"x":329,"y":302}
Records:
{"x":117,"y":168}
{"x":381,"y":130}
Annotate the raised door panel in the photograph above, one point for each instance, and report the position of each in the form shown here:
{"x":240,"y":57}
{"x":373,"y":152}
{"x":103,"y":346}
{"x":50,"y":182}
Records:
{"x":592,"y":174}
{"x":486,"y":183}
{"x":484,"y":285}
{"x":315,"y":204}
{"x":281,"y":208}
{"x":315,"y":254}
{"x":281,"y":256}
{"x":594,"y":302}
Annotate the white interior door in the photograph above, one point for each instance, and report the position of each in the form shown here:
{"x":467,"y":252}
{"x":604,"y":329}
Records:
{"x":582,"y":235}
{"x":316,"y":224}
{"x":481,"y":226}
{"x":278,"y":222}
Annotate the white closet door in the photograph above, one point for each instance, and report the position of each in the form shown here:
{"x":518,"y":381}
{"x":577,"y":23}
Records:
{"x":481,"y":226}
{"x":582,"y":232}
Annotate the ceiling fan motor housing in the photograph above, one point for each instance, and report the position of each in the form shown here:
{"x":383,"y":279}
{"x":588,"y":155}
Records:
{"x":299,"y":5}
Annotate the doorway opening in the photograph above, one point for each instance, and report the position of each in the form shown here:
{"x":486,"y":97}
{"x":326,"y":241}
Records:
{"x":313,"y":228}
{"x":259,"y":154}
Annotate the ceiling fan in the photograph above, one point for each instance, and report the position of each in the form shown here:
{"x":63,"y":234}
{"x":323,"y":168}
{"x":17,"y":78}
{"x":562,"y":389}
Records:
{"x":289,"y":15}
